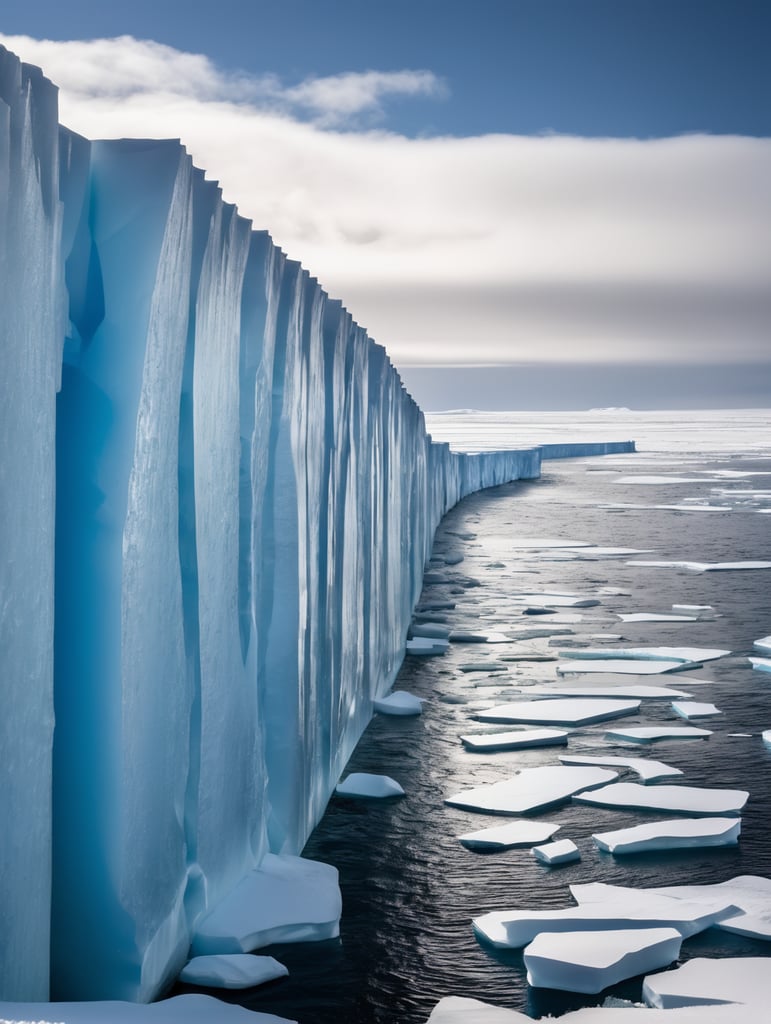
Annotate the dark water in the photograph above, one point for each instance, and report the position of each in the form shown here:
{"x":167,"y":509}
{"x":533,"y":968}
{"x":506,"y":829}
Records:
{"x":409,"y":888}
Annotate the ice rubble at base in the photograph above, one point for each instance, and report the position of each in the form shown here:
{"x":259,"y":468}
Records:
{"x":398,"y":703}
{"x":568,"y":962}
{"x":530,"y":790}
{"x":232,"y":971}
{"x":375,"y":787}
{"x":678,"y":834}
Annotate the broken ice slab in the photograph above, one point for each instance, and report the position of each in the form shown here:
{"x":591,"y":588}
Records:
{"x":682,"y":654}
{"x":766,"y":737}
{"x":502,"y":837}
{"x":561,"y":851}
{"x":631,"y":666}
{"x":764,"y":644}
{"x":530,"y":790}
{"x":751,"y":894}
{"x":648,"y":769}
{"x":426,"y":646}
{"x":761,"y":664}
{"x":430,"y":630}
{"x":526,"y":543}
{"x":363,"y":784}
{"x":188,"y":1009}
{"x":231,"y":970}
{"x":630,"y":691}
{"x":701,"y":611}
{"x":654,"y":617}
{"x":286,"y":899}
{"x":695,"y":800}
{"x":705,"y":566}
{"x":555,"y":600}
{"x":694,"y":709}
{"x":483,"y":666}
{"x":601,"y":907}
{"x":649,"y":734}
{"x":515,"y":740}
{"x":398,"y":703}
{"x":678,"y":834}
{"x":568,"y":962}
{"x":569,"y":711}
{"x":700,"y":982}
{"x":460,"y":1010}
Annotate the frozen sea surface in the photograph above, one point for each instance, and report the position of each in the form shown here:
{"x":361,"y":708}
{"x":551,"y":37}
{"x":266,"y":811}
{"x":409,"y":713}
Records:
{"x":410,"y":889}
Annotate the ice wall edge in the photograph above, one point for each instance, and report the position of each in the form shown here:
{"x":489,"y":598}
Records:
{"x":216,"y":503}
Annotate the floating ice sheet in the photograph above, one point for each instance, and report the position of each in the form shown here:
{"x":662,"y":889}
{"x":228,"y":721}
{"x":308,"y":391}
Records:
{"x":764,"y":644}
{"x":526,"y":543}
{"x":750,"y":893}
{"x":648,"y":769}
{"x":362,"y":784}
{"x":398,"y":703}
{"x":562,"y":851}
{"x":569,"y":963}
{"x":649,"y":734}
{"x":678,"y":834}
{"x":431,"y":630}
{"x":622,"y":691}
{"x":630,"y":667}
{"x":695,"y":800}
{"x":231,"y":970}
{"x":704,"y":566}
{"x":515,"y":740}
{"x":761,"y":664}
{"x":426,"y":646}
{"x":531,"y":790}
{"x":700,"y":982}
{"x":694,"y":709}
{"x":460,"y":1010}
{"x":288,"y":899}
{"x":682,"y":654}
{"x":655,"y":617}
{"x":554,"y":600}
{"x":189,"y":1009}
{"x":567,"y":711}
{"x":516,"y":833}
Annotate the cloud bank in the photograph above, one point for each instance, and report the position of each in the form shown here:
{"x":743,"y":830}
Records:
{"x":486,"y":250}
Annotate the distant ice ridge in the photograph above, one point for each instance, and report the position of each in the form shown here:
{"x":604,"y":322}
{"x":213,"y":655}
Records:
{"x":243,"y":497}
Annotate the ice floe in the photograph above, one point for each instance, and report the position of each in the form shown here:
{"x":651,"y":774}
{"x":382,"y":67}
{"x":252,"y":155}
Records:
{"x":530,"y":790}
{"x":701,"y":611}
{"x":682,"y":654}
{"x":398,"y":703}
{"x":704,"y":566}
{"x":560,"y":711}
{"x":430,"y":630}
{"x":231,"y":970}
{"x":426,"y":646}
{"x":188,"y":1009}
{"x":764,"y":644}
{"x":561,"y":851}
{"x":287,"y":899}
{"x":461,"y":1010}
{"x":555,"y":600}
{"x":515,"y":740}
{"x":651,"y":733}
{"x":526,"y":543}
{"x":701,"y":982}
{"x":761,"y":664}
{"x":630,"y":666}
{"x":654,"y":617}
{"x":516,"y":833}
{"x":696,"y":800}
{"x":648,"y":769}
{"x":362,"y":784}
{"x":694,"y":709}
{"x":677,"y":834}
{"x":622,"y":691}
{"x":568,"y":962}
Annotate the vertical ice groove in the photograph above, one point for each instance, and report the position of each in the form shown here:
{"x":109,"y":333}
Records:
{"x":211,"y":542}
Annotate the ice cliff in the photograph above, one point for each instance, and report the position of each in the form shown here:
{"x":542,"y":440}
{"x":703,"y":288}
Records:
{"x":216,"y":503}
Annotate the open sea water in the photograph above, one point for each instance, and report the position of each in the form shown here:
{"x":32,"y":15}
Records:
{"x":410,"y":889}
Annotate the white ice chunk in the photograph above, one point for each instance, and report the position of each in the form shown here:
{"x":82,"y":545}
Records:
{"x":570,"y":963}
{"x":704,"y":566}
{"x":648,"y":769}
{"x":516,"y":739}
{"x":655,"y":480}
{"x":362,"y":784}
{"x":426,"y":646}
{"x":764,"y":644}
{"x":570,"y":711}
{"x":430,"y":630}
{"x":459,"y":1010}
{"x":701,"y":982}
{"x":526,"y":543}
{"x":562,"y":851}
{"x":189,"y":1009}
{"x":530,"y":790}
{"x":751,"y":894}
{"x":287,"y":899}
{"x":231,"y":970}
{"x":623,"y":691}
{"x":654,"y":617}
{"x":398,"y":703}
{"x":694,"y":709}
{"x":483,"y":666}
{"x":701,"y":611}
{"x":696,"y":800}
{"x":553,"y":600}
{"x":631,"y":667}
{"x":516,"y":833}
{"x":678,"y":834}
{"x":649,"y":734}
{"x":684,"y":654}
{"x":766,"y":736}
{"x":761,"y":664}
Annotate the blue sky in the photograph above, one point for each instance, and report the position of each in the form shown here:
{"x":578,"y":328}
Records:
{"x":522,"y":186}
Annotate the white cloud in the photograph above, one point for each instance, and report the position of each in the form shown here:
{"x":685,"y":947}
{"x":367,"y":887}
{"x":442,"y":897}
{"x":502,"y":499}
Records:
{"x":461,"y":250}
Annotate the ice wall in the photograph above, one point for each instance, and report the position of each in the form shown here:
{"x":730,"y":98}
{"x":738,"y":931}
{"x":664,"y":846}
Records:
{"x":243,"y":498}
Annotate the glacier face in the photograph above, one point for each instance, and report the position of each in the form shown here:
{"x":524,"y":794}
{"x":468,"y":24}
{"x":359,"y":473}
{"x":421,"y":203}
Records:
{"x":216,"y":503}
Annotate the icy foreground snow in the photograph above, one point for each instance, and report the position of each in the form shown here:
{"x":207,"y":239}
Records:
{"x":243,"y":497}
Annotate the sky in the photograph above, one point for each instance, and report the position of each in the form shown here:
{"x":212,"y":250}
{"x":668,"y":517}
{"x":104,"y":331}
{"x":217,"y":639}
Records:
{"x":531,"y":204}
